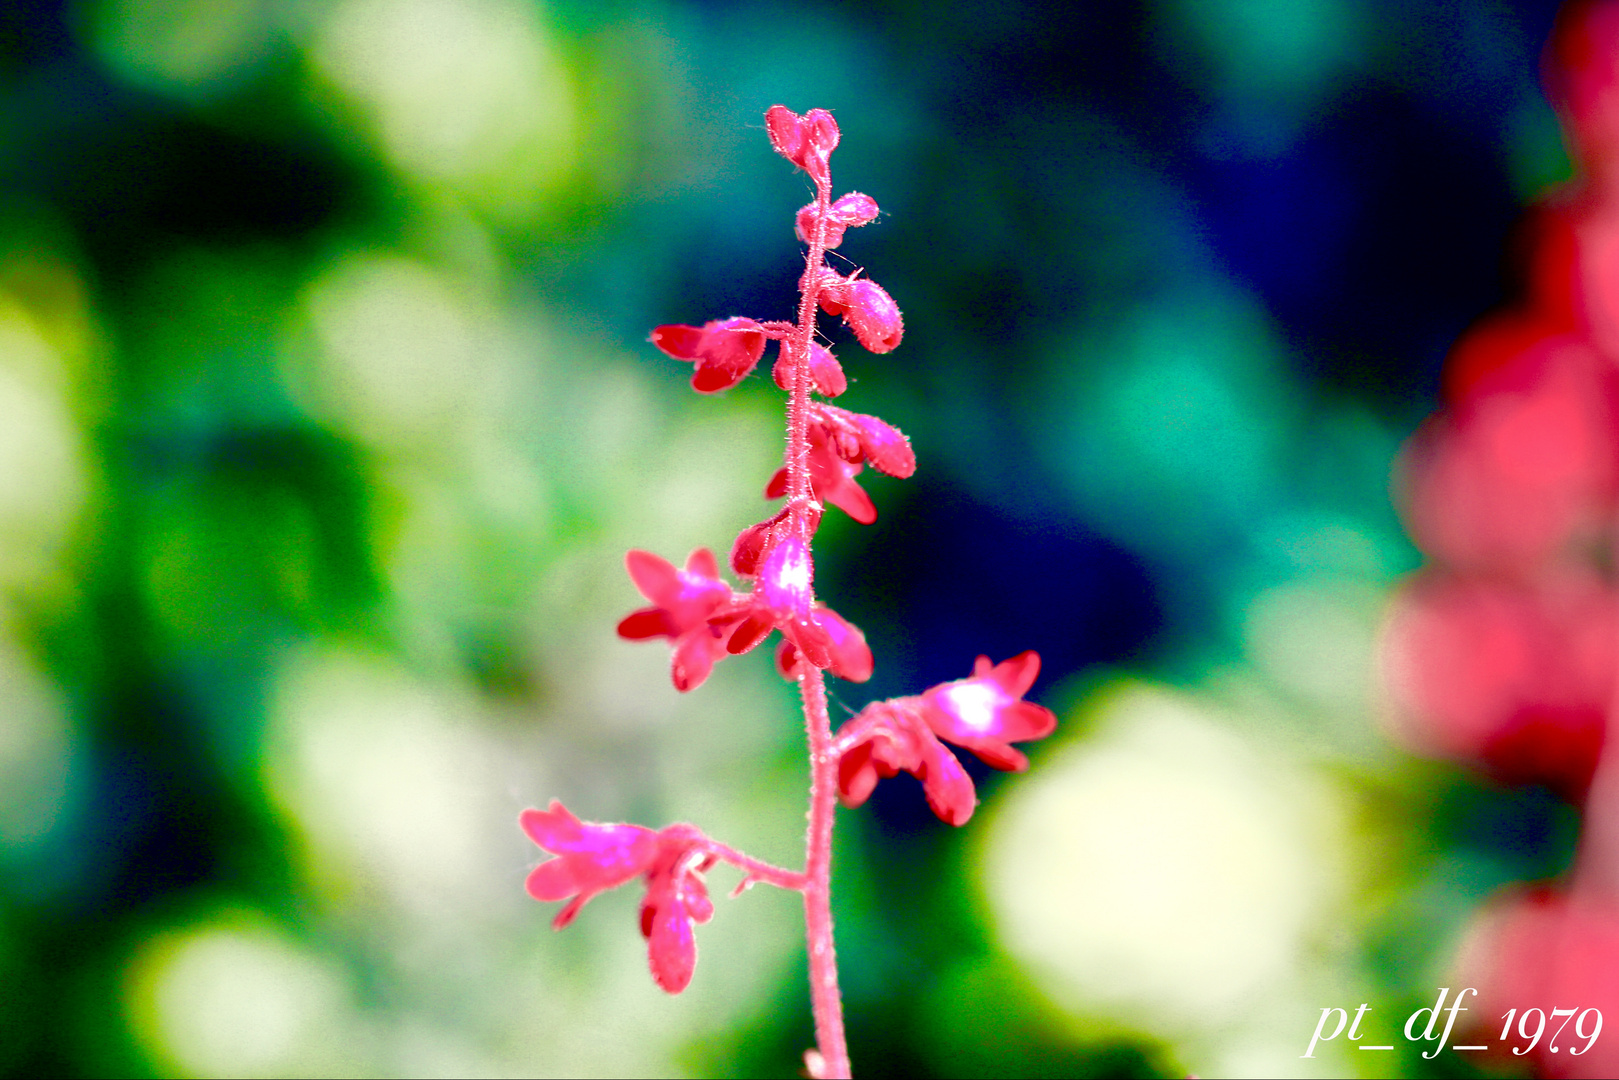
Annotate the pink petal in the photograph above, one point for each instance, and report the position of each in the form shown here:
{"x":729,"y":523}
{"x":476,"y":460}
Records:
{"x":671,"y":946}
{"x":855,"y":209}
{"x":783,"y":369}
{"x":786,"y":131}
{"x":702,"y":562}
{"x":750,"y":632}
{"x":656,"y":577}
{"x":646,"y":623}
{"x":885,"y":446}
{"x":569,"y":910}
{"x":693,"y":659}
{"x":1017,"y":674}
{"x":551,"y":880}
{"x":857,"y":775}
{"x":1024,"y":720}
{"x":751,"y":542}
{"x":551,"y":828}
{"x":821,"y":132}
{"x":848,"y":496}
{"x":851,"y":656}
{"x":997,"y":754}
{"x":694,"y":894}
{"x":678,"y":340}
{"x":827,"y":372}
{"x":812,"y":641}
{"x":948,"y":788}
{"x":787,"y":660}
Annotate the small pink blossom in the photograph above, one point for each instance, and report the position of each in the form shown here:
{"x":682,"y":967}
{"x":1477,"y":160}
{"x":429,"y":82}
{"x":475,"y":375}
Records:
{"x":591,"y":858}
{"x":826,"y":374}
{"x":807,"y":141}
{"x":693,"y":608}
{"x":850,"y":211}
{"x":724,"y":350}
{"x":982,"y":713}
{"x":987,"y":711}
{"x":866,"y":307}
{"x":841,"y":443}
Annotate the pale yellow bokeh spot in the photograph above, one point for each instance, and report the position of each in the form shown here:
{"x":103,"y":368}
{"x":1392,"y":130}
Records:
{"x":236,"y":997}
{"x":390,"y":781}
{"x":1314,"y":636}
{"x":42,"y":473}
{"x":468,"y":94}
{"x":1162,"y":873}
{"x":400,"y":350}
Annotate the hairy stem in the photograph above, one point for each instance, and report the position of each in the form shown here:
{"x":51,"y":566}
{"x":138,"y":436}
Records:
{"x":825,"y":999}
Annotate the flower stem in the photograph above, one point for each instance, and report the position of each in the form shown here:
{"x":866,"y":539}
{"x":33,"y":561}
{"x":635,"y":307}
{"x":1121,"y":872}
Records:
{"x":753,"y":869}
{"x":825,"y":999}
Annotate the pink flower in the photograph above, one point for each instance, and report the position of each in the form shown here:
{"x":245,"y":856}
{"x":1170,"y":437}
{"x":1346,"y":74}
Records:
{"x":851,"y":656}
{"x":807,"y":141}
{"x":592,"y":858}
{"x":841,"y":443}
{"x":866,"y":307}
{"x":1535,"y":944}
{"x":982,"y":713}
{"x":676,"y":898}
{"x":1514,"y":676}
{"x":783,"y":597}
{"x":691,"y":607}
{"x":850,"y":211}
{"x":724,"y":350}
{"x":986,"y":712}
{"x":892,"y":738}
{"x":826,"y":374}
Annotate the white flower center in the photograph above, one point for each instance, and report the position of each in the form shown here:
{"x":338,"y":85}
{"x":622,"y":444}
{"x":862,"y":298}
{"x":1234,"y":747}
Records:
{"x":793,"y":573}
{"x":974,"y":704}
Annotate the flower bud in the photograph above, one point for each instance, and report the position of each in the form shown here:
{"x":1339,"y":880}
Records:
{"x":851,"y":211}
{"x":826,"y":374}
{"x":873,"y":316}
{"x":807,"y":141}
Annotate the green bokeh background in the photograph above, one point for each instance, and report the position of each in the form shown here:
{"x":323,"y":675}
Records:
{"x":327,"y":415}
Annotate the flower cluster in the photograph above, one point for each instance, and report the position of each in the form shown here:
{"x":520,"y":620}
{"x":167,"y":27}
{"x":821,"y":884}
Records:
{"x":1502,"y":651}
{"x":593,"y":858}
{"x":984,"y":714}
{"x":706,"y":618}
